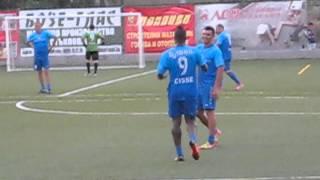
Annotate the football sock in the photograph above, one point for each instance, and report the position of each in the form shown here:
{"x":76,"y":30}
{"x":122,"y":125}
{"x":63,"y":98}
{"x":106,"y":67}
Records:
{"x":42,"y":86}
{"x":211,"y":139}
{"x":88,"y":67}
{"x":192,"y":137}
{"x":49,"y":87}
{"x":179,"y":150}
{"x":234,"y":77}
{"x":95,"y":68}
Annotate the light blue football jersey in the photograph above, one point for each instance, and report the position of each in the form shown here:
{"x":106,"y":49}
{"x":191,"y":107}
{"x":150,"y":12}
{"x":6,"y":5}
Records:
{"x":182,"y":63}
{"x":213,"y":57}
{"x":41,"y":42}
{"x":225,"y":45}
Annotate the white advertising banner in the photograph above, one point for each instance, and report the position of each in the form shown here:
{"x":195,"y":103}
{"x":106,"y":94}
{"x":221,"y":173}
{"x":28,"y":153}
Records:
{"x":69,"y":29}
{"x":257,"y":24}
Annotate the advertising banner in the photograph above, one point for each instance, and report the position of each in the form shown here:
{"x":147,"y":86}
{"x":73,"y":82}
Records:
{"x":14,"y":34}
{"x":70,"y":29}
{"x":159,"y":24}
{"x":257,"y":24}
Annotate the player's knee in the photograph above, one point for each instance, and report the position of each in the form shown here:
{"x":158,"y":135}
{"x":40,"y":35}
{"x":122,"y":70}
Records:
{"x":176,"y":130}
{"x":190,"y":121}
{"x":228,"y":71}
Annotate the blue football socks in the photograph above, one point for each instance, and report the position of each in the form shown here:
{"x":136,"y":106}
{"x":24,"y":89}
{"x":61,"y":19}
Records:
{"x":179,"y":151}
{"x":192,"y":137}
{"x":211,"y":139}
{"x":234,"y":77}
{"x":43,"y":87}
{"x":49,"y":87}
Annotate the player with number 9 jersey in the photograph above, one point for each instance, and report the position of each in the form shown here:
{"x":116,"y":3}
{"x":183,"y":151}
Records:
{"x":181,"y":62}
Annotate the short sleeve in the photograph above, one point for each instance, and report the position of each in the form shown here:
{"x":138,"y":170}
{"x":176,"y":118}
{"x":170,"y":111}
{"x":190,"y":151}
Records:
{"x":200,"y":59}
{"x":49,"y":34}
{"x":218,"y":58}
{"x":99,"y":35}
{"x":31,"y":37}
{"x":219,"y":40}
{"x":85,"y":35}
{"x":163,"y":64}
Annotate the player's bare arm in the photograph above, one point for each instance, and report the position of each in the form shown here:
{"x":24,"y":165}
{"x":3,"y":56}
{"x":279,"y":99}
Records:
{"x":83,"y":42}
{"x":218,"y":83}
{"x":55,"y":39}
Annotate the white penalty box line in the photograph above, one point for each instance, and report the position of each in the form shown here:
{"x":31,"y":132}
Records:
{"x":20,"y":104}
{"x":105,"y":83}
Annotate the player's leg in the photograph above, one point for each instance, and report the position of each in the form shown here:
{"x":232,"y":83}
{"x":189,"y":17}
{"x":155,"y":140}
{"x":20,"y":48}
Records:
{"x":200,"y":113}
{"x":47,"y":80}
{"x":202,"y":117}
{"x":88,"y":56}
{"x":175,"y":114}
{"x":38,"y":67}
{"x":41,"y":81}
{"x":192,"y":132}
{"x":212,"y":128}
{"x":232,"y":75}
{"x":45,"y":74}
{"x":189,"y":111}
{"x":95,"y":58}
{"x":213,"y":132}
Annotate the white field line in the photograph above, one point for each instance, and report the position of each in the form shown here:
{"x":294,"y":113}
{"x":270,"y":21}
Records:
{"x":285,"y":97}
{"x":86,"y":100}
{"x":84,"y":96}
{"x":20,"y":105}
{"x":226,"y":95}
{"x":105,"y":83}
{"x":8,"y":102}
{"x":262,"y":178}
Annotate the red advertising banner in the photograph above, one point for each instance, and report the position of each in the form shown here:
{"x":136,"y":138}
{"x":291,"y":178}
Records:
{"x":159,"y":24}
{"x":14,"y":32}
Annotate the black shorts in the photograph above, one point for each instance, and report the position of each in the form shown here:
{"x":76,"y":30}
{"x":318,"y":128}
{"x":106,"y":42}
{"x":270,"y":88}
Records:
{"x":94,"y":55}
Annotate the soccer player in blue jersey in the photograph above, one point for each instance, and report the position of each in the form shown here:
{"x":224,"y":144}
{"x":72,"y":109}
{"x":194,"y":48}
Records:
{"x":210,"y":84}
{"x":223,"y":41}
{"x":40,"y":41}
{"x":181,"y":62}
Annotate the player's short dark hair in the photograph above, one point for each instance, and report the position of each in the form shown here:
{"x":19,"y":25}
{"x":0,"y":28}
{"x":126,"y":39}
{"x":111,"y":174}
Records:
{"x":91,"y":26}
{"x":180,"y":35}
{"x":220,"y":26}
{"x":210,"y":28}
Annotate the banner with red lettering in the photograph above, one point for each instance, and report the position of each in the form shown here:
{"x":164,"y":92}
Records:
{"x":14,"y":34}
{"x":269,"y":24}
{"x":159,"y":24}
